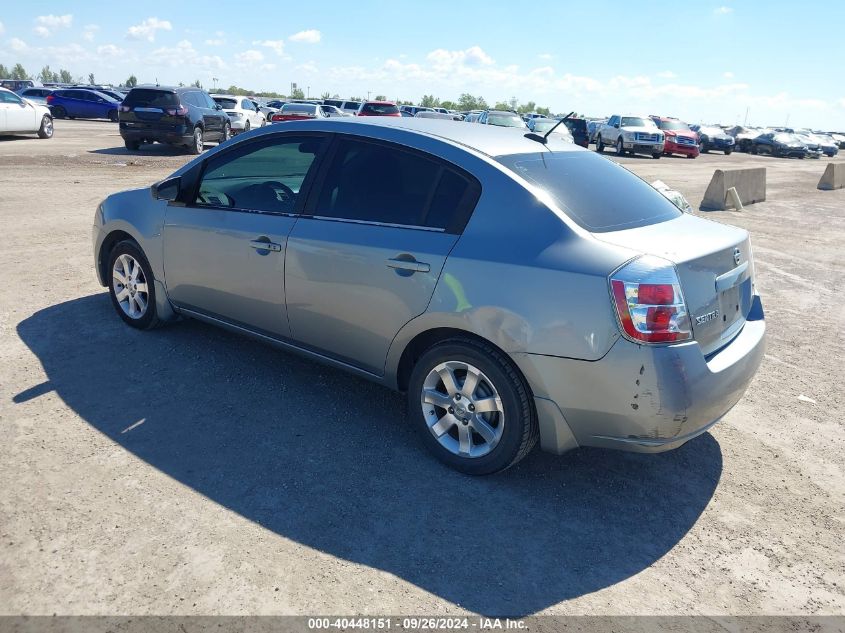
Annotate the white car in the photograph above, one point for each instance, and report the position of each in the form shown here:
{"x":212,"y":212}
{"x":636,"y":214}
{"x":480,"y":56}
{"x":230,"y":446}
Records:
{"x":330,"y":111}
{"x":20,"y":115}
{"x":634,"y":134}
{"x":243,"y":114}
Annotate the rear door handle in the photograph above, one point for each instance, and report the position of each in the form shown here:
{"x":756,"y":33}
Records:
{"x":412,"y":265}
{"x":265,"y":246}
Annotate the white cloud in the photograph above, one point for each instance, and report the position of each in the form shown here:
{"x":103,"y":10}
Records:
{"x":728,"y":75}
{"x":146,"y":30}
{"x":308,"y":67}
{"x":110,"y":50}
{"x":251,"y":56}
{"x":311,"y":36}
{"x":723,"y":10}
{"x":842,"y":102}
{"x":473,"y":56}
{"x":667,"y":74}
{"x":215,"y":42}
{"x":276,"y":45}
{"x":185,"y":56}
{"x":2,"y":28}
{"x":89,"y":31}
{"x":46,"y":25}
{"x":18,"y":45}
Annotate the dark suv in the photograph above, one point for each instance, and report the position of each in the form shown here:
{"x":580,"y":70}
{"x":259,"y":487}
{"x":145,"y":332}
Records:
{"x":176,"y":116}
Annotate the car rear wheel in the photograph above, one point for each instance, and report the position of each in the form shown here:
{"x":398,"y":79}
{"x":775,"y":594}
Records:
{"x":198,"y":142}
{"x":46,"y":129}
{"x":133,"y":146}
{"x":727,"y":152}
{"x":620,"y":148}
{"x":132,"y":286}
{"x":113,"y":116}
{"x":246,"y":126}
{"x":599,"y":144}
{"x":59,"y":112}
{"x":656,"y":155}
{"x":471,"y":407}
{"x":705,"y":148}
{"x":227,"y":133}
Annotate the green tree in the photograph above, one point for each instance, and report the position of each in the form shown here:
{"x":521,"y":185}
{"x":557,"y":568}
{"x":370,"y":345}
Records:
{"x":381,"y":98}
{"x":356,"y":98}
{"x":430,"y":101}
{"x":132,"y":81}
{"x":4,"y":72}
{"x":197,"y":84}
{"x":525,"y":108}
{"x":468,"y":102}
{"x":325,"y":95}
{"x":502,"y":105}
{"x":449,"y":105}
{"x":46,"y":75}
{"x":18,"y":72}
{"x":65,"y":77}
{"x":91,"y":78}
{"x":297,"y":94}
{"x":544,"y":111}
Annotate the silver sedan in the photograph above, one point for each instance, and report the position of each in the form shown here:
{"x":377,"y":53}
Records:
{"x":516,"y":288}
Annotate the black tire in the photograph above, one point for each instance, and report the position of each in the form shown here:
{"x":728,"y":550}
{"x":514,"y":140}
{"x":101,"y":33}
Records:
{"x":227,"y":133}
{"x":59,"y":112}
{"x":520,"y":432}
{"x":132,"y":146}
{"x":620,"y":148}
{"x":113,"y":116}
{"x":149,"y":319}
{"x":705,"y":148}
{"x":197,"y":145}
{"x":246,"y":126}
{"x":599,"y":145}
{"x":728,"y":152}
{"x":656,"y":156}
{"x":754,"y":149}
{"x":46,"y":129}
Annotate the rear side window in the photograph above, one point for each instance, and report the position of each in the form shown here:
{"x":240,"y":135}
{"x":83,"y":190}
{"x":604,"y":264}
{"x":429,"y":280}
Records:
{"x":595,"y":192}
{"x":374,"y":182}
{"x":149,"y":98}
{"x":380,"y":108}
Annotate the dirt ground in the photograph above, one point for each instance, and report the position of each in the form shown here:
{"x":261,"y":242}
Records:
{"x":188,"y":470}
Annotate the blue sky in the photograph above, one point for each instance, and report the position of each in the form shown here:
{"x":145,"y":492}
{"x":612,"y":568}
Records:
{"x":695,"y":59}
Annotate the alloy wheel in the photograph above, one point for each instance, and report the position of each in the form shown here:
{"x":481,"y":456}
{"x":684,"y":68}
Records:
{"x":130,"y":286}
{"x":463,"y":409}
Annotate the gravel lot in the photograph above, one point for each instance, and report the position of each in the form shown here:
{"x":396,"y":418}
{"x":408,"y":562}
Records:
{"x":188,"y":470}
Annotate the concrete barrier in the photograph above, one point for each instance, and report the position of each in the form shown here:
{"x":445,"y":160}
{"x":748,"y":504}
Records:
{"x":750,"y":184}
{"x":833,"y":177}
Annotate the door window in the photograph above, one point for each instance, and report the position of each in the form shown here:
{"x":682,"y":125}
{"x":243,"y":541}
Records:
{"x":375,"y":182}
{"x":9,"y":97}
{"x":265,"y":176}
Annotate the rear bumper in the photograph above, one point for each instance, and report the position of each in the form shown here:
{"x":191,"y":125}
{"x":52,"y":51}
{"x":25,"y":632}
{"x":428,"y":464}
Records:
{"x":642,"y":398}
{"x":178,"y":135}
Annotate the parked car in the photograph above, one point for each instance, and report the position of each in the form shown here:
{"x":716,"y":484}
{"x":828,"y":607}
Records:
{"x":678,"y":138}
{"x":276,"y":103}
{"x":21,"y":116}
{"x":827,"y":144}
{"x":779,"y":144}
{"x":378,"y":108}
{"x":333,"y":111}
{"x":744,"y":136}
{"x":338,"y":103}
{"x":243,"y":114}
{"x":839,"y":138}
{"x":298,"y":112}
{"x":265,"y":109}
{"x":541,"y":125}
{"x":114,"y":94}
{"x":634,"y":134}
{"x":714,"y":138}
{"x":176,"y":116}
{"x":432,"y":114}
{"x":36,"y":95}
{"x":593,"y":128}
{"x":578,"y":129}
{"x":81,"y":103}
{"x":351,"y":107}
{"x":813,"y":145}
{"x":412,"y":109}
{"x":501,"y":118}
{"x":16,"y":85}
{"x":505,"y":317}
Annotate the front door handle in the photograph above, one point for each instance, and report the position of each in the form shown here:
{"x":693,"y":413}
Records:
{"x":265,"y":246}
{"x":406,"y":264}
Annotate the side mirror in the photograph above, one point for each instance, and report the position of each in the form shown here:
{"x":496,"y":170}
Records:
{"x":167,"y":189}
{"x":217,"y":106}
{"x":616,"y":125}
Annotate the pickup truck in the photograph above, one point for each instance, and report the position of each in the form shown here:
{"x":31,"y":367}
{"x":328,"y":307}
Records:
{"x":634,"y":134}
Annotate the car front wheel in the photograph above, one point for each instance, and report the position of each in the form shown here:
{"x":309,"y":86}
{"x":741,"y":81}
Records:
{"x":46,"y":129}
{"x":132,"y":286}
{"x":620,"y":148}
{"x":599,"y":144}
{"x":471,"y":407}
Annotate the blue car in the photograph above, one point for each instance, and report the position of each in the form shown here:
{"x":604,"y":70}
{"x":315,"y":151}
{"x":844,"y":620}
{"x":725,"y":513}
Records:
{"x":81,"y":103}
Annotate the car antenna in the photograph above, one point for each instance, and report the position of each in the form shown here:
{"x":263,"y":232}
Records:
{"x":545,"y":137}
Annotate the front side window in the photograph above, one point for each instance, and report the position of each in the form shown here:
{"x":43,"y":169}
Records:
{"x":8,"y":97}
{"x":374,"y":182}
{"x":265,"y":176}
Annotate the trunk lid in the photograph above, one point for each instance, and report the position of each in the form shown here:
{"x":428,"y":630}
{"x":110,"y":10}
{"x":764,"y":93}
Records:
{"x":715,"y":268}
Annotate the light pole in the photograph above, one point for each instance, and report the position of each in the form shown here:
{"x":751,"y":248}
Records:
{"x":307,"y":92}
{"x":368,"y":94}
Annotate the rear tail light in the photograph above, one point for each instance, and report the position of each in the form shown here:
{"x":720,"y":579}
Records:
{"x":180,"y":111}
{"x":649,"y":302}
{"x":50,"y":98}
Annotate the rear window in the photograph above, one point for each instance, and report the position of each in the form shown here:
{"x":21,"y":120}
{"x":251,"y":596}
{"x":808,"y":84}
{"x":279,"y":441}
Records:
{"x":299,"y":108}
{"x":229,"y":104}
{"x":380,"y":108}
{"x":149,"y":98}
{"x":333,"y":102}
{"x":595,"y":192}
{"x":351,"y":105}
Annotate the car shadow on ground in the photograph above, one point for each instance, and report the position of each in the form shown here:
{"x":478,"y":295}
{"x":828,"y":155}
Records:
{"x":156,"y":149}
{"x":330,"y":461}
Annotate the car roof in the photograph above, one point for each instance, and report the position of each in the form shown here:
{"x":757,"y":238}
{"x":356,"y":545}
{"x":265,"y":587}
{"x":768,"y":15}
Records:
{"x":486,"y":139}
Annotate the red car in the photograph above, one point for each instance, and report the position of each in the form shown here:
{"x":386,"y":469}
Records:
{"x":379,"y":108}
{"x":679,"y":138}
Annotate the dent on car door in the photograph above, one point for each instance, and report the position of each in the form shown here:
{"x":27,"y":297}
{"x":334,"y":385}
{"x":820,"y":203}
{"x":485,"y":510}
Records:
{"x":364,"y":258}
{"x":225,"y":240}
